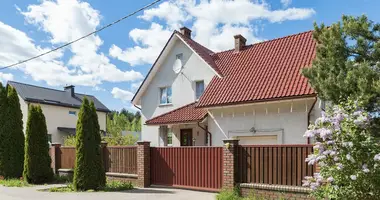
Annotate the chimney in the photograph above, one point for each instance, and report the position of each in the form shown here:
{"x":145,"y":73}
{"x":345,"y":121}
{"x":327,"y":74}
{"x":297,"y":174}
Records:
{"x":70,"y":89}
{"x":186,"y":32}
{"x":239,"y":42}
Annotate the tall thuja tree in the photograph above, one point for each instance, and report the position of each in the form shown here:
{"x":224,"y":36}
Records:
{"x":15,"y":141}
{"x":3,"y":129}
{"x":89,"y":172}
{"x":37,"y":162}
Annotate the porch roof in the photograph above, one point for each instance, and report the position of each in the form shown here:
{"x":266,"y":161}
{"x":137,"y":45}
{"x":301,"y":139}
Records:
{"x":184,"y":114}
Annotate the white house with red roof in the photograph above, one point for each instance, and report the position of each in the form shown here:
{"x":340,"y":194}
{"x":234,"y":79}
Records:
{"x":193,"y":96}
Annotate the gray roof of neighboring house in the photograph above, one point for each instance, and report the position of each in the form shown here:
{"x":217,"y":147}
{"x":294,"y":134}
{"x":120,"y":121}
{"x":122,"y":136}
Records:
{"x":36,"y":94}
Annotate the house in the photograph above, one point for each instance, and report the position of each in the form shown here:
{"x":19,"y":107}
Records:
{"x":193,"y":96}
{"x":60,"y":107}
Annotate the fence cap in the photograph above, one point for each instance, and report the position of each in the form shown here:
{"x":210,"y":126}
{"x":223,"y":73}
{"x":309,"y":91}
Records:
{"x":143,"y":142}
{"x":230,"y":140}
{"x":56,"y":144}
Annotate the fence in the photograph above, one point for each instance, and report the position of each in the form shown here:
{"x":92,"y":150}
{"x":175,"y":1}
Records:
{"x":115,"y":159}
{"x":189,"y":167}
{"x":273,"y":164}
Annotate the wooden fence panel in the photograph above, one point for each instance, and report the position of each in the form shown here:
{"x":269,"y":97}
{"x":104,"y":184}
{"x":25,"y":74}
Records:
{"x":121,"y":160}
{"x":274,"y":164}
{"x":188,"y":167}
{"x":67,"y":157}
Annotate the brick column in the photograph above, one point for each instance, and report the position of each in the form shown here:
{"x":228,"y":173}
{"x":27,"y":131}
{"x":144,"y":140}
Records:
{"x":55,"y":157}
{"x":143,"y":164}
{"x":229,"y":163}
{"x":104,"y":152}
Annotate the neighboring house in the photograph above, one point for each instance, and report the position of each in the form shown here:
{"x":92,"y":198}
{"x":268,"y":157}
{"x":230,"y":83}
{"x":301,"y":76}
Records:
{"x":60,"y":108}
{"x":256,"y":93}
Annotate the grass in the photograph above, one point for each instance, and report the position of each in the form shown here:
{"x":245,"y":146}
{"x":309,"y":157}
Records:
{"x":235,"y":195}
{"x":111,"y":186}
{"x":14,"y":183}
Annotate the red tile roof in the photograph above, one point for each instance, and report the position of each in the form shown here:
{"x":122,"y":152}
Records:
{"x":187,"y":113}
{"x":203,"y":52}
{"x":260,"y":72}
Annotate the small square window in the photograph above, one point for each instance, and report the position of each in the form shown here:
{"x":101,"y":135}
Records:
{"x":166,"y":95}
{"x":73,"y":113}
{"x":199,"y":89}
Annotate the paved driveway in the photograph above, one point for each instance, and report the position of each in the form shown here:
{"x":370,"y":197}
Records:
{"x":31,"y":193}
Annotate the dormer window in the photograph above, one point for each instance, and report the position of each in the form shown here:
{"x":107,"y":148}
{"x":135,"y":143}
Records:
{"x":199,"y":89}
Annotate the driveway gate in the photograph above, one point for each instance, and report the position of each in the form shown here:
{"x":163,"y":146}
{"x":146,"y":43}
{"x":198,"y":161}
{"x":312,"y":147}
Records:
{"x":187,"y":167}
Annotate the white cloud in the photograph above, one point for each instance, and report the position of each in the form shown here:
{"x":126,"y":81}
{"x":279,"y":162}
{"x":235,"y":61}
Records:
{"x":121,"y":94}
{"x":4,"y":77}
{"x":63,"y":20}
{"x":135,"y":86}
{"x":214,"y":23}
{"x":149,"y":44}
{"x":286,"y":3}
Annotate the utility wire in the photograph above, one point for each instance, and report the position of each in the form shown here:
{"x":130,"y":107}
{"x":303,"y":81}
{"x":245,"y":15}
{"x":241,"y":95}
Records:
{"x":89,"y":34}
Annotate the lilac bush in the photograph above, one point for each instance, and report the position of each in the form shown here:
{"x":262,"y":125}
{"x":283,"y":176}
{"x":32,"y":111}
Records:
{"x":347,"y":152}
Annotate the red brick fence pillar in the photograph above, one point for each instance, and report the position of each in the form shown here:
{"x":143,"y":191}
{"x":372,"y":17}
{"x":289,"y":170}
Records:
{"x":143,"y":164}
{"x":229,"y":162}
{"x":55,"y":157}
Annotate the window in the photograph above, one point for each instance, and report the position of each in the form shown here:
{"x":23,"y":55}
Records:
{"x":49,"y":138}
{"x":170,"y":137}
{"x":72,"y":113}
{"x":199,"y":88}
{"x":166,"y":95}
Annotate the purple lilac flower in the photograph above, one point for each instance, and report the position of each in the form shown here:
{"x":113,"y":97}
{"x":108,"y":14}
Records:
{"x":377,"y":157}
{"x":330,"y":179}
{"x":353,"y":177}
{"x":339,"y":166}
{"x":325,"y":133}
{"x":336,"y":158}
{"x":365,"y":168}
{"x":309,"y":133}
{"x":311,"y":159}
{"x":330,"y":142}
{"x":349,"y":157}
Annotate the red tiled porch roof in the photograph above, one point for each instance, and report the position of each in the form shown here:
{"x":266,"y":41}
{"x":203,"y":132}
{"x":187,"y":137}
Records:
{"x":187,"y":113}
{"x":264,"y":71}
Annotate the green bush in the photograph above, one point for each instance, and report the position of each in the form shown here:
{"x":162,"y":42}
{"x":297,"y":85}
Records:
{"x":89,"y":171}
{"x":69,"y":141}
{"x":37,"y":167}
{"x":13,"y":183}
{"x":11,"y":134}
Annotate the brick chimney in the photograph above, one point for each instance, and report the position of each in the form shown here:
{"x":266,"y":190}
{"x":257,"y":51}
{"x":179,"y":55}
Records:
{"x":186,"y":32}
{"x":70,"y":90}
{"x":239,"y":42}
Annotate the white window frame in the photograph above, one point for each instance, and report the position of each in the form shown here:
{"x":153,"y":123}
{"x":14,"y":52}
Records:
{"x":195,"y":88}
{"x":160,"y":96}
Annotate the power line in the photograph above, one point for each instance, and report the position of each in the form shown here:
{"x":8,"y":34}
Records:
{"x":76,"y":40}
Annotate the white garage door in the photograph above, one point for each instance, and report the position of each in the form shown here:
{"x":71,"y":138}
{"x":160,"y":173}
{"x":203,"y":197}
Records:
{"x":259,"y":139}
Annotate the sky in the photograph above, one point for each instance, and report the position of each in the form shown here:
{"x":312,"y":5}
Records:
{"x":112,"y":64}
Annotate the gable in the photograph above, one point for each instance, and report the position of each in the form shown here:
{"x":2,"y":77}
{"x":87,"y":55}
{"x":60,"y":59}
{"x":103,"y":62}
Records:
{"x":198,"y":50}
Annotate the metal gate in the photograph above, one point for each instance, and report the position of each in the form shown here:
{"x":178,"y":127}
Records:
{"x":198,"y":168}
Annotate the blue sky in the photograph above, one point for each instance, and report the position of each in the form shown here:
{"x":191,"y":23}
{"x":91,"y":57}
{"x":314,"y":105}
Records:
{"x":112,"y":64}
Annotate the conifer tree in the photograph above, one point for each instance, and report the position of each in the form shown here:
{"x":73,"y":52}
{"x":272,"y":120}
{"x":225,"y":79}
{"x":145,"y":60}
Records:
{"x":3,"y":129}
{"x":89,"y":172}
{"x":347,"y":62}
{"x":37,"y":164}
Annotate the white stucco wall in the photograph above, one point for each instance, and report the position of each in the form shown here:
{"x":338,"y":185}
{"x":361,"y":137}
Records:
{"x":57,"y":116}
{"x":272,"y":119}
{"x":183,"y":90}
{"x":198,"y":134}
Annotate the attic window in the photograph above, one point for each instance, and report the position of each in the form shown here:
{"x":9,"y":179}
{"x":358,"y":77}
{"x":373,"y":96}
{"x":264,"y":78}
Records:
{"x":73,"y":113}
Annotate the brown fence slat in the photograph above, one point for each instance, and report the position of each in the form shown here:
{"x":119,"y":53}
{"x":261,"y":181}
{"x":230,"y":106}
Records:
{"x":274,"y":164}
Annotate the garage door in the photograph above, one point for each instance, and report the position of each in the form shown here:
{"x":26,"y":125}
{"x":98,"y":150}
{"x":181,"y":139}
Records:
{"x":259,"y":139}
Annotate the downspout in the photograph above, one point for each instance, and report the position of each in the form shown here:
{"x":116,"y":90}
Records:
{"x":308,"y":116}
{"x":210,"y":135}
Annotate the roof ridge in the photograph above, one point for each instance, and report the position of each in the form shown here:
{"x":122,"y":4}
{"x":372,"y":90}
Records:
{"x":45,"y":87}
{"x":174,"y":110}
{"x":196,"y":42}
{"x":266,"y":41}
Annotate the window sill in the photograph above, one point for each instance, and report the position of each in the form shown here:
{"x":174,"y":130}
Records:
{"x":164,"y":105}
